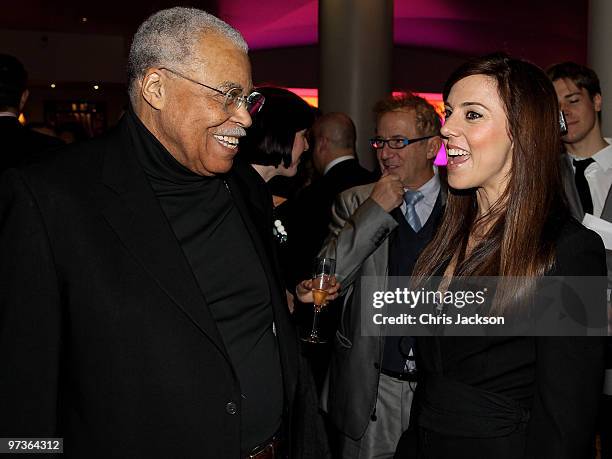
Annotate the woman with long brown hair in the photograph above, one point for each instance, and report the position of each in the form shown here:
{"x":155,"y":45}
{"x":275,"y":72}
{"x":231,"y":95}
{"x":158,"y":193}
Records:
{"x":507,"y":397}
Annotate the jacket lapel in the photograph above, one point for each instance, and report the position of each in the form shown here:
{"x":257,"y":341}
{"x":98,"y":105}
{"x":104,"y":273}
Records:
{"x":132,"y":210}
{"x":569,"y":186}
{"x":606,"y":213}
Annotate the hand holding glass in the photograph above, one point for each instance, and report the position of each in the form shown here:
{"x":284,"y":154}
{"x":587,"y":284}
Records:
{"x":322,"y":275}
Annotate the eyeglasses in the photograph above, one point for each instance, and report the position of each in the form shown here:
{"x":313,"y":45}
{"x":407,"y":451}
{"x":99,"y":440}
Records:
{"x":395,"y":143}
{"x":233,"y":98}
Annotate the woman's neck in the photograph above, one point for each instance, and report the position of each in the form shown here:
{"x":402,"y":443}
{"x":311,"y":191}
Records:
{"x":266,"y":172}
{"x":485,"y":199}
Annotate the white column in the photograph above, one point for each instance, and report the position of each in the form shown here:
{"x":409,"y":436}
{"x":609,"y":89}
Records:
{"x":600,"y":57}
{"x":356,"y":45}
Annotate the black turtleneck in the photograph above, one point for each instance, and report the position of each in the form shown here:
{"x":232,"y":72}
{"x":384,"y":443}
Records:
{"x":217,"y":245}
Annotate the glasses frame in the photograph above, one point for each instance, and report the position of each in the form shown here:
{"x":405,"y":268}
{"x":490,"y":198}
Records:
{"x":405,"y":141}
{"x":230,"y":102}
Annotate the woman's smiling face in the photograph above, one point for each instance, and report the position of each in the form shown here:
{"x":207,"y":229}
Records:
{"x":476,"y":137}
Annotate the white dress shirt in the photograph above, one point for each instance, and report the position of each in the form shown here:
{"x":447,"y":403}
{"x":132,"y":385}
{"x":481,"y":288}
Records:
{"x":336,"y":161}
{"x":425,"y":206}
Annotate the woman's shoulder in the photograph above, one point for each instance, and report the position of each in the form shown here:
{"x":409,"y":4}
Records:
{"x":579,"y":250}
{"x":571,"y":231}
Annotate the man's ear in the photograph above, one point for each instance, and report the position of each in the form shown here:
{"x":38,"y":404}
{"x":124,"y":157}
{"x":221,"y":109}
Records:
{"x":22,"y":101}
{"x":597,"y":102}
{"x":153,"y":90}
{"x":321,"y":141}
{"x":433,"y":147}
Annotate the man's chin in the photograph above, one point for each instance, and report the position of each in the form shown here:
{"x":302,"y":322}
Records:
{"x":217,"y":167}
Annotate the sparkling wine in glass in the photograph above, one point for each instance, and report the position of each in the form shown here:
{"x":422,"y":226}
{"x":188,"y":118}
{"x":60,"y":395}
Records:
{"x":322,"y":273}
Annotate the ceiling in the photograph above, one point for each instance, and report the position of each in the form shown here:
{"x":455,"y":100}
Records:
{"x":111,"y":17}
{"x":543,"y":31}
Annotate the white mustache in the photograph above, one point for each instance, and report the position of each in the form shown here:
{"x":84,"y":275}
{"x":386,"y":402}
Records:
{"x":235,"y":132}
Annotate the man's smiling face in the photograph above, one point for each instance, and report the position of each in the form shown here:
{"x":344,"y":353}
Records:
{"x":193,"y":124}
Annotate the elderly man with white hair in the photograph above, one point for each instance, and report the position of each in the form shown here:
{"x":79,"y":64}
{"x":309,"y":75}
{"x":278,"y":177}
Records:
{"x":142,"y":310}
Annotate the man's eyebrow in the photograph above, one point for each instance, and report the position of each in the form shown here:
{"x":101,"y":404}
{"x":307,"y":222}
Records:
{"x":230,"y":85}
{"x":572,"y":94}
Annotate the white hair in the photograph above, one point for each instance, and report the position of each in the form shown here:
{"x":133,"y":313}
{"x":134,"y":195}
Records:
{"x":168,"y":38}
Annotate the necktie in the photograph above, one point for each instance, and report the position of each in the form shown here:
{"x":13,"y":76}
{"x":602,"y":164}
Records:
{"x":406,"y":348}
{"x":582,"y":185}
{"x":411,"y":198}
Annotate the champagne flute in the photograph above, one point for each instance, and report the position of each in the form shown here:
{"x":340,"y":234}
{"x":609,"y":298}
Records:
{"x":322,"y":272}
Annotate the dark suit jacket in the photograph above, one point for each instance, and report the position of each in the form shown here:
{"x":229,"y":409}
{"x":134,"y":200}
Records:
{"x":556,"y":379}
{"x":19,"y":145}
{"x":105,"y":337}
{"x":310,"y":213}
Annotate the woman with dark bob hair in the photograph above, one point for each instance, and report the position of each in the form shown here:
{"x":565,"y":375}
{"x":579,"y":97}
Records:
{"x":274,"y":145}
{"x":522,"y":396}
{"x":276,"y":140}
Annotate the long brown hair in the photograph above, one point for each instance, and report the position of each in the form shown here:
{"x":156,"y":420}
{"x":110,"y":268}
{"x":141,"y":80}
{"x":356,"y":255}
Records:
{"x":522,"y":233}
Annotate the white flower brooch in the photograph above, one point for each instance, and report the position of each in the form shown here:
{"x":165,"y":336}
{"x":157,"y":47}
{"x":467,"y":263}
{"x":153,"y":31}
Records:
{"x":279,"y":231}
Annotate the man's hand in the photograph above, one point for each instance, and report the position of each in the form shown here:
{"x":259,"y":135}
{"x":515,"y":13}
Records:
{"x":303,"y":290}
{"x":388,"y":192}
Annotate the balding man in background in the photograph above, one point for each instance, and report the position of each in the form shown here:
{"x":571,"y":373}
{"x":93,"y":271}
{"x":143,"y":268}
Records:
{"x":334,"y":159}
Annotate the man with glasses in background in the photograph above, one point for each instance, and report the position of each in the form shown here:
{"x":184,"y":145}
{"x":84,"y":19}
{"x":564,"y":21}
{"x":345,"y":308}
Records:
{"x":143,"y":315}
{"x":379,"y":229}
